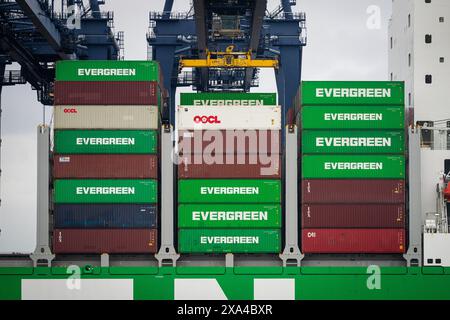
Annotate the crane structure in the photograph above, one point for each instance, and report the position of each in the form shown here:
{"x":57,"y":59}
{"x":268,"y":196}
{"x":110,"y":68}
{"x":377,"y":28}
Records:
{"x":201,"y":39}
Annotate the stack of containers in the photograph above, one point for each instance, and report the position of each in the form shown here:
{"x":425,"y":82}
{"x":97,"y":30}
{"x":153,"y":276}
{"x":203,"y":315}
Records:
{"x":353,"y":167}
{"x":105,"y":164}
{"x":229,"y":195}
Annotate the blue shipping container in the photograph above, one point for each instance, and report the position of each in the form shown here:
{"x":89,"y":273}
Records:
{"x":108,"y":216}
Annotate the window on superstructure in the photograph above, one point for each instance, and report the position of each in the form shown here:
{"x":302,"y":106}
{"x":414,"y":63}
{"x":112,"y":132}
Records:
{"x":427,"y":1}
{"x":409,"y":99}
{"x":428,"y":38}
{"x":441,"y":19}
{"x":428,"y":79}
{"x":441,"y":59}
{"x":409,"y":59}
{"x":392,"y":43}
{"x":392,"y":76}
{"x":409,"y":20}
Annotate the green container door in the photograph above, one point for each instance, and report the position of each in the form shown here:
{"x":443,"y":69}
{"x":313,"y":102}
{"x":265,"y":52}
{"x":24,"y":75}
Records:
{"x":345,"y":141}
{"x":229,"y":216}
{"x":106,"y":141}
{"x":350,"y":92}
{"x":229,"y":241}
{"x":352,"y":117}
{"x":105,"y":191}
{"x":111,"y":70}
{"x":229,"y":191}
{"x":353,"y":167}
{"x":221,"y":99}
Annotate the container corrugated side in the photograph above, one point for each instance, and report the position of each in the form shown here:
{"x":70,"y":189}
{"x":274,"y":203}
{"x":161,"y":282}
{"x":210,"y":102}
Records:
{"x":106,"y":93}
{"x":352,"y":117}
{"x":352,"y":92}
{"x":230,"y":117}
{"x":99,"y":241}
{"x":230,"y":166}
{"x":105,"y":166}
{"x":229,"y":241}
{"x":353,"y":215}
{"x":229,"y":216}
{"x":353,"y":166}
{"x":229,"y":191}
{"x":105,"y":216}
{"x":106,"y":191}
{"x":353,"y":240}
{"x":106,"y":117}
{"x":107,"y":70}
{"x":208,"y":142}
{"x":352,"y":191}
{"x":106,"y":141}
{"x":228,"y":99}
{"x":352,"y":141}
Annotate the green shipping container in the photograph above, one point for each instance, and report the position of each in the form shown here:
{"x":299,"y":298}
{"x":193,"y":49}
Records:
{"x":229,"y":241}
{"x":229,"y":216}
{"x":229,"y":99}
{"x":352,"y":117}
{"x":106,"y":191}
{"x":106,"y":141}
{"x":346,"y":141}
{"x":229,"y":191}
{"x":107,"y":70}
{"x":352,"y":92}
{"x":353,"y":167}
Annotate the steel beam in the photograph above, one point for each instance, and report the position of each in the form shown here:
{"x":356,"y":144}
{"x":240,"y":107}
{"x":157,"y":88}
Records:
{"x":201,"y":32}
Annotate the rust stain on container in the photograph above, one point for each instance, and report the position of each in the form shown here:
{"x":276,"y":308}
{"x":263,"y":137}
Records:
{"x":104,"y":241}
{"x":105,"y":166}
{"x":229,"y":166}
{"x":353,"y":191}
{"x":106,"y":93}
{"x":353,"y":216}
{"x":353,"y":240}
{"x":229,"y":141}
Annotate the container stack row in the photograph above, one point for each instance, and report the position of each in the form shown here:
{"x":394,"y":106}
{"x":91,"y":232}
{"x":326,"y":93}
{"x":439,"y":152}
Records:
{"x":105,"y":157}
{"x":353,"y":167}
{"x":229,"y":171}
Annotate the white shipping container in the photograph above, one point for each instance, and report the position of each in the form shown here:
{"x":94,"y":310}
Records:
{"x":229,"y":117}
{"x":106,"y":117}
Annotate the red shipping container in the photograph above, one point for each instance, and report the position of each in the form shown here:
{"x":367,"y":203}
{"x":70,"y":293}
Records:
{"x":106,"y":93}
{"x":229,"y":141}
{"x":353,"y":216}
{"x":105,"y":166}
{"x":230,"y":167}
{"x":353,"y":191}
{"x":353,"y":240}
{"x":98,"y":241}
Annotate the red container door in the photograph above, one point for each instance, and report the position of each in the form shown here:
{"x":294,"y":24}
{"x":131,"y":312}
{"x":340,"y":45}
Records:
{"x":352,"y":191}
{"x":98,"y":241}
{"x":353,"y":240}
{"x":106,"y":93}
{"x":353,"y":216}
{"x":105,"y":166}
{"x":229,"y":167}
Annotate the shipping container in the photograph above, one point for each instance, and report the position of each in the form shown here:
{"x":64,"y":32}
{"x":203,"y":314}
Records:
{"x":106,"y":93}
{"x":209,"y":142}
{"x":352,"y":141}
{"x":106,"y":117}
{"x":107,"y":70}
{"x":353,"y":215}
{"x":106,"y":191}
{"x":352,"y":92}
{"x":353,"y":166}
{"x":229,"y":240}
{"x":105,"y":141}
{"x":105,"y":166}
{"x":229,"y":191}
{"x":352,"y":117}
{"x":353,"y":240}
{"x":228,"y":99}
{"x":104,"y":216}
{"x":99,"y":241}
{"x":240,"y":215}
{"x":231,"y":117}
{"x":353,"y":191}
{"x":231,"y":166}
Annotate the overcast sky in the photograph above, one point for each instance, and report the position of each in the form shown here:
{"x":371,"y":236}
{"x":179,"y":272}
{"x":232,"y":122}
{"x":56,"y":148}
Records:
{"x":340,"y":47}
